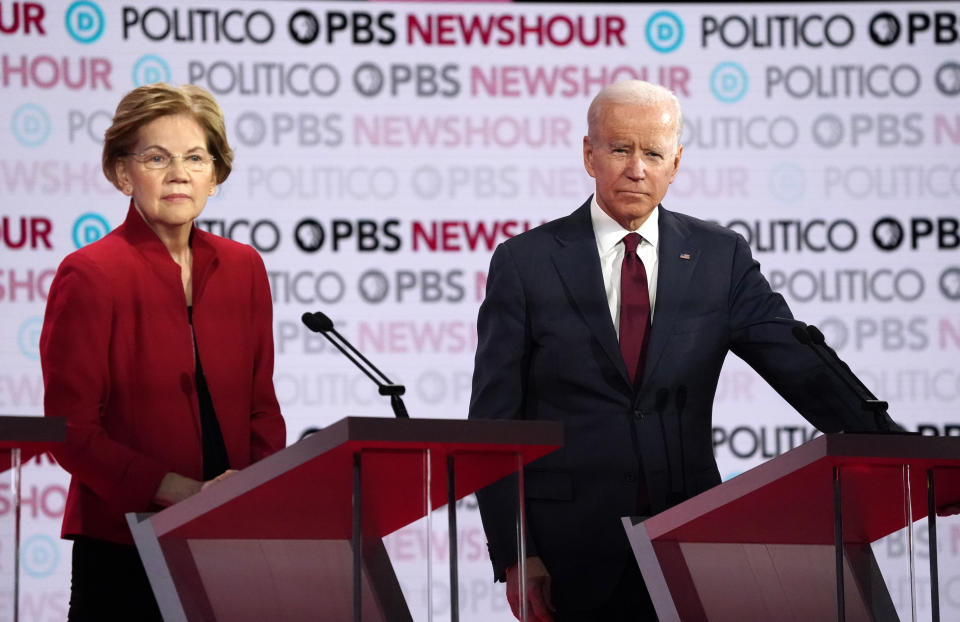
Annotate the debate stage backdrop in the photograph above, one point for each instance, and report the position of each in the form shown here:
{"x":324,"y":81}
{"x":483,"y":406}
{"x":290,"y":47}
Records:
{"x":383,"y":150}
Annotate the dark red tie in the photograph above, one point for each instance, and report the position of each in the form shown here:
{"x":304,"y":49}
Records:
{"x":634,"y":308}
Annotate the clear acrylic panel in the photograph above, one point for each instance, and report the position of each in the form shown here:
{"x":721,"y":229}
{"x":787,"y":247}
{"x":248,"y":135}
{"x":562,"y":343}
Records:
{"x":943,"y":560}
{"x":8,"y":533}
{"x":422,"y":554}
{"x":923,"y":578}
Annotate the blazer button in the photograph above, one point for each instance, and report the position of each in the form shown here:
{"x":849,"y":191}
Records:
{"x":638,"y":413}
{"x":629,"y":476}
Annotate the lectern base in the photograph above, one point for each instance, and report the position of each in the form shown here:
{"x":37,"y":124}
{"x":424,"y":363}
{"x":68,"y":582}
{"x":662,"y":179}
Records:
{"x":256,"y":580}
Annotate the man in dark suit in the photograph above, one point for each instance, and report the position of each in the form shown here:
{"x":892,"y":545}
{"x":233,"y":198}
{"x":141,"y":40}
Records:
{"x":615,"y":320}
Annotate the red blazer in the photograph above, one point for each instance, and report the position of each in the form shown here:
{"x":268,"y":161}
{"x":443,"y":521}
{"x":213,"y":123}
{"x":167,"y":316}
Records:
{"x":118,"y":363}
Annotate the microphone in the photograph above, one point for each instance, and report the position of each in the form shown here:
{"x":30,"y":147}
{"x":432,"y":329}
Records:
{"x":319,"y":323}
{"x":812,"y":337}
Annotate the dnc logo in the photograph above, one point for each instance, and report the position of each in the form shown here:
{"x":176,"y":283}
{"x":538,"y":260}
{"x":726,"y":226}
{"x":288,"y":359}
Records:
{"x":85,"y":21}
{"x":664,"y":31}
{"x":89,"y":228}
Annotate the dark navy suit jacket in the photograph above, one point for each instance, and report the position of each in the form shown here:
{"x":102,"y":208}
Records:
{"x":548,"y":350}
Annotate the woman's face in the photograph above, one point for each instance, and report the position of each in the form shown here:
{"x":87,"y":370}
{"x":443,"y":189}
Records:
{"x":169,"y":198}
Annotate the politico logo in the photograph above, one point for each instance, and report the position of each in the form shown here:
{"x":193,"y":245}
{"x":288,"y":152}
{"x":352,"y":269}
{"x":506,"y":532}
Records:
{"x":198,"y":25}
{"x":796,"y":236}
{"x":776,"y":31}
{"x":842,"y":81}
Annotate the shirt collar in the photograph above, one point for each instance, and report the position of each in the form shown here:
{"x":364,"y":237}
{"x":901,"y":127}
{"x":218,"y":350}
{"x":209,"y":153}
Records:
{"x":609,"y":232}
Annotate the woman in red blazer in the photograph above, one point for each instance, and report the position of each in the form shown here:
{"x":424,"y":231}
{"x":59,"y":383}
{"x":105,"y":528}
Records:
{"x":157,"y":347}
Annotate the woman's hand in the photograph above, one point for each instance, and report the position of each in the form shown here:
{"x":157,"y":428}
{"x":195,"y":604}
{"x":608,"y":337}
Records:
{"x":218,"y":478}
{"x":175,"y":487}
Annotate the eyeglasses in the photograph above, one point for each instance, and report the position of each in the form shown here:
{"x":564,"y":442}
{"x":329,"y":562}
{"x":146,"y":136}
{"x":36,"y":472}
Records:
{"x":158,"y":160}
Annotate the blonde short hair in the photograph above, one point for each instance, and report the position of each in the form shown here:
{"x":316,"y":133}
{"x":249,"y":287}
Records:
{"x":147,"y":103}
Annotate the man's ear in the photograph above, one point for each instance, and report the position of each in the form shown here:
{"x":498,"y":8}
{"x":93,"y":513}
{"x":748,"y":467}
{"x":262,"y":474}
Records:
{"x":588,"y":156}
{"x":676,"y":162}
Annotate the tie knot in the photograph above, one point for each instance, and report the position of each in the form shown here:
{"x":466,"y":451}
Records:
{"x":631,"y":241}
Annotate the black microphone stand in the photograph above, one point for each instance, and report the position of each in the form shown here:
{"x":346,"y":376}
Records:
{"x":877,"y":406}
{"x":812,"y":337}
{"x":319,"y":323}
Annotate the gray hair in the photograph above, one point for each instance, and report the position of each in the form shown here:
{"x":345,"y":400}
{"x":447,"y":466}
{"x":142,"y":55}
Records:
{"x":633,"y":92}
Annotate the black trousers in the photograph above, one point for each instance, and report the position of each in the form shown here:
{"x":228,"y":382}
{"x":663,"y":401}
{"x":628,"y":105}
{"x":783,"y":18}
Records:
{"x":109,"y":583}
{"x":629,"y":602}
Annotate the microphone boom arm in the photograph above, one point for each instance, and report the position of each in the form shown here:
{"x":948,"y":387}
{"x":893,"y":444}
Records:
{"x":320,"y":323}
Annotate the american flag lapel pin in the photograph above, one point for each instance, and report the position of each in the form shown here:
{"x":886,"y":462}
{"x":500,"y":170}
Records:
{"x":684,"y":255}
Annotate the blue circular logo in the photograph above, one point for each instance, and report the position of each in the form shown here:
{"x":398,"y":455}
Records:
{"x":664,"y":31}
{"x":28,"y":338}
{"x":31,"y":125}
{"x":788,"y":182}
{"x":149,"y":69}
{"x":89,"y":228}
{"x":85,"y":21}
{"x":729,"y":82}
{"x":39,"y":556}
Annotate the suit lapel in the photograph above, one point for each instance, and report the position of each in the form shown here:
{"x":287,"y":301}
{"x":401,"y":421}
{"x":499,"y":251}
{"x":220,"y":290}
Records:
{"x":578,"y":263}
{"x":676,"y":263}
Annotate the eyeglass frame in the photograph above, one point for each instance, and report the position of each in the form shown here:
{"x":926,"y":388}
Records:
{"x":171,"y":157}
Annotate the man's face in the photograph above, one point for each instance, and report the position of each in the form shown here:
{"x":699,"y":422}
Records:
{"x":633,"y":156}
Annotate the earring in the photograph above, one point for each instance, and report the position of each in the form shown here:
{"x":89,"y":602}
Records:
{"x":128,"y":190}
{"x":212,"y":190}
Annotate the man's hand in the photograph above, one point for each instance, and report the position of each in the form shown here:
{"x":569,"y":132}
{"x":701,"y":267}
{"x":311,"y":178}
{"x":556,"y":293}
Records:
{"x":950,"y":509}
{"x":539,"y":602}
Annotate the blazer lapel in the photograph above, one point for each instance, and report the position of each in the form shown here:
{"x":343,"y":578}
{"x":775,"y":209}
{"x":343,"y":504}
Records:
{"x":676,"y":263}
{"x":578,"y":263}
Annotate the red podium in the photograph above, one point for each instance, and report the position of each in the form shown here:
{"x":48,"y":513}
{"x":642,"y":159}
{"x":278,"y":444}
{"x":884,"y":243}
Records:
{"x":767,"y":544}
{"x":297,"y":536}
{"x":22,"y":437}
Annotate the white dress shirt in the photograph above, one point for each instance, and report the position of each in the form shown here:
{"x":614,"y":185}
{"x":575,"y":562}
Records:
{"x":609,"y":234}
